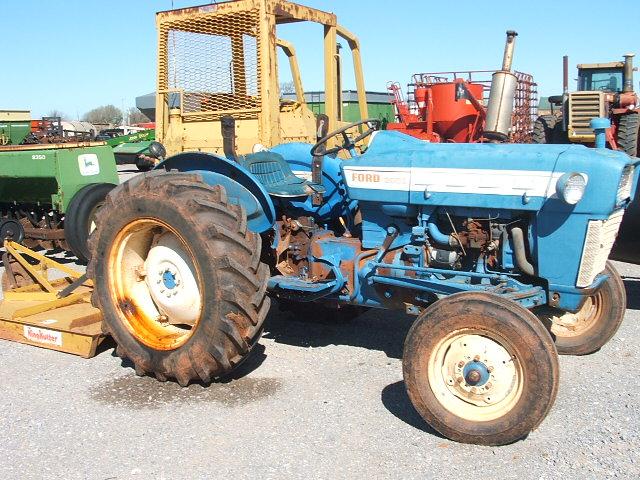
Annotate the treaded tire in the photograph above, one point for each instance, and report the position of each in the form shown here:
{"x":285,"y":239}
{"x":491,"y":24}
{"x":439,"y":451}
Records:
{"x":227,"y":255}
{"x":491,"y":315}
{"x":629,"y":134}
{"x":543,"y":129}
{"x":79,"y":216}
{"x":612,"y":302}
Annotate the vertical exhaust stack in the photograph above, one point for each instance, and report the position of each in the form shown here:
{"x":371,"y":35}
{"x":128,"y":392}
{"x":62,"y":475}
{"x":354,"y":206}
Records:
{"x":565,"y":75}
{"x":628,"y":73}
{"x":501,"y":97}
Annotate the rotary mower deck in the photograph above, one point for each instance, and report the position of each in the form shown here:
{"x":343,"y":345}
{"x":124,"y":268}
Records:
{"x":45,"y":312}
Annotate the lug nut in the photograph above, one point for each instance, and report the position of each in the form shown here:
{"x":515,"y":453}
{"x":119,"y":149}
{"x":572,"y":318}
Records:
{"x":488,"y":385}
{"x":461,"y":364}
{"x":476,"y":358}
{"x":460,"y":379}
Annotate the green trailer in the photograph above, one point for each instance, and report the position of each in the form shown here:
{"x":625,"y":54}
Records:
{"x":49,"y":194}
{"x":15,"y":126}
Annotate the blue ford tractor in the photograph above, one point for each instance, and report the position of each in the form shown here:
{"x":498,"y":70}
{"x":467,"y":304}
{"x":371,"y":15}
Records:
{"x":491,"y":246}
{"x":499,"y":250}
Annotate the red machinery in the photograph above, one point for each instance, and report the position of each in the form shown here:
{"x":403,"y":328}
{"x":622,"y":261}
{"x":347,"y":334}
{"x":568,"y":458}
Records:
{"x":456,"y":107}
{"x":451,"y":106}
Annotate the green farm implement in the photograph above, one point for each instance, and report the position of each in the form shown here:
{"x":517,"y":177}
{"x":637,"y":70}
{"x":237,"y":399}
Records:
{"x":134,"y":148}
{"x":49,"y":193}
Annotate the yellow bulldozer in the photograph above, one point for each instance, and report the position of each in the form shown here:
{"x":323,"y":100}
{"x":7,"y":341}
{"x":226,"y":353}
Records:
{"x":220,"y":60}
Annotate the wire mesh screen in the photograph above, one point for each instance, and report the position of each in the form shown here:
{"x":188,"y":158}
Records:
{"x":214,"y":60}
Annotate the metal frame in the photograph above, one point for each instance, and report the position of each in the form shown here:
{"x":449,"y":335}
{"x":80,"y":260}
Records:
{"x":270,"y":123}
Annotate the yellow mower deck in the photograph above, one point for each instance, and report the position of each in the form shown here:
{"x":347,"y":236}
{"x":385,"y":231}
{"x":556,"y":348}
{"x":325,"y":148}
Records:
{"x":50,"y":314}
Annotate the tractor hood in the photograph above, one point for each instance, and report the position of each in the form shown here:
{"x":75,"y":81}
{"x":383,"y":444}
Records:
{"x":401,"y":169}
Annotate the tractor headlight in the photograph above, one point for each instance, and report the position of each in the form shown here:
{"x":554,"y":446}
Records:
{"x":570,"y":187}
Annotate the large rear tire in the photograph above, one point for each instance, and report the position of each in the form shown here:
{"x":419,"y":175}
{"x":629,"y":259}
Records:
{"x":589,"y":329}
{"x":178,"y":277}
{"x":480,"y":369}
{"x":79,"y":220}
{"x":544,"y":128}
{"x":629,"y":134}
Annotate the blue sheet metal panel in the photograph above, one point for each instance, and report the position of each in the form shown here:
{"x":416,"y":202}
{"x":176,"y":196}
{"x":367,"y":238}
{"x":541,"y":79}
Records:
{"x":240,"y":184}
{"x":487,"y":201}
{"x":559,"y":240}
{"x":336,"y":203}
{"x":374,"y":226}
{"x":488,"y":175}
{"x":604,"y":170}
{"x":418,"y":153}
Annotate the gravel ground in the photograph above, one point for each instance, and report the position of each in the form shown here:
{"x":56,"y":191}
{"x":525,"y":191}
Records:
{"x":317,"y":400}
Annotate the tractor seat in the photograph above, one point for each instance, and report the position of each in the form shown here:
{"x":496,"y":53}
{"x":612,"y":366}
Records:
{"x":276,"y":176}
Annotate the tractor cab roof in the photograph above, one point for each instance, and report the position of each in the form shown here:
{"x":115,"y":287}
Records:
{"x":600,"y":66}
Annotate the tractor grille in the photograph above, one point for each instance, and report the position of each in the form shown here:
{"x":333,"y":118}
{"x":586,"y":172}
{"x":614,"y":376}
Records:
{"x":626,"y":183}
{"x":583,"y":107}
{"x":600,"y":237}
{"x":210,"y":59}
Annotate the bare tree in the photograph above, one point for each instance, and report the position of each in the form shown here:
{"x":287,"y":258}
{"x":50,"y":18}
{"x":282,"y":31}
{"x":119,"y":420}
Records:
{"x":136,"y":116}
{"x":106,"y":114}
{"x":287,"y":87}
{"x":56,"y":113}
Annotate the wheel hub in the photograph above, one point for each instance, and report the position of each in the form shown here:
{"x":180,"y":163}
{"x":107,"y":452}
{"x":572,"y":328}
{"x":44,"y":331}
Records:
{"x":478,"y":370}
{"x":171,"y":281}
{"x":475,"y":373}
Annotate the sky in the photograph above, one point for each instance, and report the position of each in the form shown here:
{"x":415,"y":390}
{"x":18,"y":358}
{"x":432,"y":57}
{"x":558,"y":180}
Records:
{"x":74,"y":55}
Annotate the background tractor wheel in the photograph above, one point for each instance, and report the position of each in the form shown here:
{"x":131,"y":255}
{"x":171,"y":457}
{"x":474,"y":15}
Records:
{"x":629,"y":134}
{"x":544,"y":128}
{"x":178,"y":277}
{"x":480,"y":369}
{"x":589,"y":329}
{"x":79,"y":219}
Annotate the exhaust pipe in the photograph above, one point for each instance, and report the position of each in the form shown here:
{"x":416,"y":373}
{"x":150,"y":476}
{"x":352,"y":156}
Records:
{"x":565,"y":75}
{"x":501,"y":97}
{"x":628,"y":73}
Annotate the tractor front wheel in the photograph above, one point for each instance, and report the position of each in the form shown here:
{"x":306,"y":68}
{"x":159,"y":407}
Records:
{"x":480,"y":369}
{"x":597,"y":321}
{"x":178,"y":277}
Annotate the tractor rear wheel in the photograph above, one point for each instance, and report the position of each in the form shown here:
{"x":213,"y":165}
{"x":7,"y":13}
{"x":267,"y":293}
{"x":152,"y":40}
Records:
{"x":178,"y":277}
{"x":629,"y":134}
{"x":79,"y":220}
{"x":480,"y":368}
{"x":590,"y":328}
{"x":544,"y":128}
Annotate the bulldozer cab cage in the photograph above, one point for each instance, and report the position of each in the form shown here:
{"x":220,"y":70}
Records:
{"x":221,"y":60}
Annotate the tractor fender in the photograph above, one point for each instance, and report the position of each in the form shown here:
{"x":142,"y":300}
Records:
{"x":241,"y":186}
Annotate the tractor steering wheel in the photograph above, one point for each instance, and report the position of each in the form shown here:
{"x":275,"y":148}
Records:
{"x":373,"y":124}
